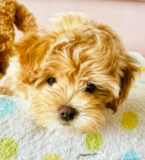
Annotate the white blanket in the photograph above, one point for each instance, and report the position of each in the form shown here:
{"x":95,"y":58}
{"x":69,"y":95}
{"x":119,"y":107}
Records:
{"x":121,"y":138}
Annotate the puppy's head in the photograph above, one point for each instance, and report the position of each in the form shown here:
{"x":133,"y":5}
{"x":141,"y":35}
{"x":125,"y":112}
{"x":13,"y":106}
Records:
{"x":75,"y":69}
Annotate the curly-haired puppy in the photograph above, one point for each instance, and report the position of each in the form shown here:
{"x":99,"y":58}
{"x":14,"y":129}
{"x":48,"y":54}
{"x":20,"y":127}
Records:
{"x":71,"y":71}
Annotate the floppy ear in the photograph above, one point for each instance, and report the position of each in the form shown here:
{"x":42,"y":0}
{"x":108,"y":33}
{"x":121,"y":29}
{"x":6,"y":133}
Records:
{"x":24,"y":20}
{"x":129,"y":70}
{"x":31,"y":49}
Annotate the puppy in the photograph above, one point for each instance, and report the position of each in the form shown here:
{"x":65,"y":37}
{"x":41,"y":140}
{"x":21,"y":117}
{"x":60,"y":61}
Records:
{"x":71,"y":72}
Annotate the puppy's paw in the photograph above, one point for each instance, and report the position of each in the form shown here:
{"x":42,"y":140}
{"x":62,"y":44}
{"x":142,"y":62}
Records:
{"x":5,"y":91}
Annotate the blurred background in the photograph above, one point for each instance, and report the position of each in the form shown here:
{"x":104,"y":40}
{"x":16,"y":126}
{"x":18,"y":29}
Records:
{"x":127,"y":18}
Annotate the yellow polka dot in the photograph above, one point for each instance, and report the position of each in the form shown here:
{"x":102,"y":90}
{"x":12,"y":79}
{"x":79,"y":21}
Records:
{"x":8,"y":148}
{"x":142,"y":68}
{"x":129,"y":120}
{"x":52,"y":157}
{"x":134,"y":87}
{"x":93,"y":141}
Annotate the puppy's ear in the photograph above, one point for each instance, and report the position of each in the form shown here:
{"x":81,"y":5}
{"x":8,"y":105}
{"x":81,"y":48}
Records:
{"x":128,"y":71}
{"x":31,"y":49}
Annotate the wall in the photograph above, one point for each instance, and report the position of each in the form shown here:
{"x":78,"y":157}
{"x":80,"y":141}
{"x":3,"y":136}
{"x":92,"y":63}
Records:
{"x":127,"y":18}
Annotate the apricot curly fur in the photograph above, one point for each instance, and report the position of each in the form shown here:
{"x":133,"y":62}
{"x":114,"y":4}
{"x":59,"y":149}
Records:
{"x":12,"y":13}
{"x":76,"y":51}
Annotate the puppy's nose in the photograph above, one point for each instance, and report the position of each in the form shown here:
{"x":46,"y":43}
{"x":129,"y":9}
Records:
{"x":67,"y":113}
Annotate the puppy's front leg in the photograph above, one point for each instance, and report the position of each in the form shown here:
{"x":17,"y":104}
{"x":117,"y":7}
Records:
{"x":4,"y":90}
{"x":1,"y":75}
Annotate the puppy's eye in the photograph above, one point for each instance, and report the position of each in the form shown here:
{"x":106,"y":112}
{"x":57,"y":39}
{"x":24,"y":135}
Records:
{"x":51,"y":81}
{"x":90,"y":88}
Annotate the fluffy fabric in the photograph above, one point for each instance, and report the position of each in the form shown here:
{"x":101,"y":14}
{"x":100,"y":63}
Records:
{"x":121,"y":137}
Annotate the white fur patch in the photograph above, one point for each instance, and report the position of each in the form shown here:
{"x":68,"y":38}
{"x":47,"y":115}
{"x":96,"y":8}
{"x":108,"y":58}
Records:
{"x":12,"y":78}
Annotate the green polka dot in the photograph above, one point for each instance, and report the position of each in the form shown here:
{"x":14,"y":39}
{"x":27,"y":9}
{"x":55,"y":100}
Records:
{"x":129,"y":120}
{"x":52,"y":157}
{"x":8,"y":148}
{"x":93,"y":141}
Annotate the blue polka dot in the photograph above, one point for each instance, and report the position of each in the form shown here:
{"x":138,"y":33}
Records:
{"x":7,"y":106}
{"x":131,"y":155}
{"x":133,"y":56}
{"x":142,"y":81}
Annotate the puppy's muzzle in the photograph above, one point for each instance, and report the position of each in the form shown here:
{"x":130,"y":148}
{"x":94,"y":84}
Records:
{"x":67,"y":113}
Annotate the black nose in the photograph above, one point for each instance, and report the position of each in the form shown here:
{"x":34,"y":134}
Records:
{"x":67,"y":113}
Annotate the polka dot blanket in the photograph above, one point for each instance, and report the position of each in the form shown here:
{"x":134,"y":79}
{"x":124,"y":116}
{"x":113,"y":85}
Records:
{"x":121,"y":138}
